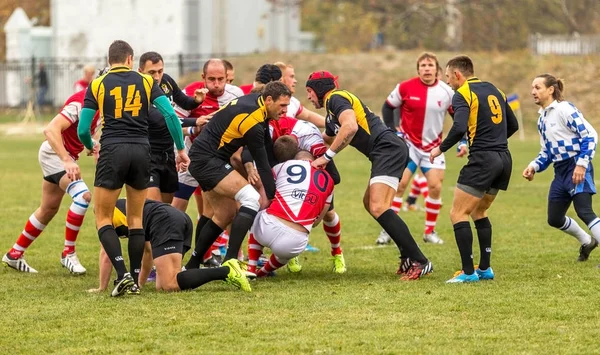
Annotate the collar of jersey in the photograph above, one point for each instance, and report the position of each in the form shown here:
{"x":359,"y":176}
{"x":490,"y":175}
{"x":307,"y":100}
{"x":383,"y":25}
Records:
{"x":474,"y":80}
{"x":552,"y":105}
{"x":328,"y":95}
{"x":119,"y":69}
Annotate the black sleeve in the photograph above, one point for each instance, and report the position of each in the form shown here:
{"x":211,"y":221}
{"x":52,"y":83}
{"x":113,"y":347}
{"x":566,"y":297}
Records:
{"x":179,"y":97}
{"x":246,"y":155}
{"x":512,"y":124}
{"x":461,"y":119}
{"x":333,"y":172}
{"x":90,"y":101}
{"x":188,"y":121}
{"x":387,"y":112}
{"x":255,"y":141}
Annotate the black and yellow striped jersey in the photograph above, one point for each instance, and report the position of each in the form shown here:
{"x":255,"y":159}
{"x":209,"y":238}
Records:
{"x":123,"y":97}
{"x":481,"y":110}
{"x":370,"y":125}
{"x":242,"y":122}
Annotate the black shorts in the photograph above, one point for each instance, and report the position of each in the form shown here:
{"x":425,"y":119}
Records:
{"x":487,"y":170}
{"x":163,"y":172}
{"x":208,"y":170}
{"x":55,"y":178}
{"x":389,"y":156}
{"x":123,"y":163}
{"x":168,"y":227}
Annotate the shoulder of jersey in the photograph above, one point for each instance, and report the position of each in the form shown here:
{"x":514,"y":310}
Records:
{"x":235,"y":90}
{"x":78,"y":96}
{"x":193,"y":87}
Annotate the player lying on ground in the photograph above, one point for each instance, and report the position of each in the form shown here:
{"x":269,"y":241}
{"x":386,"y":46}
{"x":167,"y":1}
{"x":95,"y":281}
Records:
{"x":169,"y":233}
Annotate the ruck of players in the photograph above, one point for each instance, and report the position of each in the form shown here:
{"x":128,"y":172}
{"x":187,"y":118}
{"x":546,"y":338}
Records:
{"x":262,"y":170}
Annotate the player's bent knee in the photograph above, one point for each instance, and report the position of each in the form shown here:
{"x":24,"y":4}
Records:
{"x":248,"y":197}
{"x":87,"y":197}
{"x":556,"y":221}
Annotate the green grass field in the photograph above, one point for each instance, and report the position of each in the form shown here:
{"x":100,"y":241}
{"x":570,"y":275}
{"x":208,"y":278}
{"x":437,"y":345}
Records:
{"x":542,"y":300}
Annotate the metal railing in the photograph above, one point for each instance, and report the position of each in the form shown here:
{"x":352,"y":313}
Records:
{"x":20,"y":79}
{"x":564,"y":44}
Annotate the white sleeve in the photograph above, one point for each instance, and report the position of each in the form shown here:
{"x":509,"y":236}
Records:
{"x":71,"y":111}
{"x":394,"y":99}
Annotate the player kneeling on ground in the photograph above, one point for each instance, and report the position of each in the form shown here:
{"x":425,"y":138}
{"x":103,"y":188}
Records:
{"x":302,"y":198}
{"x":169,"y":232}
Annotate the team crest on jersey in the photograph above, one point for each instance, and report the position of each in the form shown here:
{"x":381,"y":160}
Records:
{"x":439,"y":103}
{"x":165,"y":88}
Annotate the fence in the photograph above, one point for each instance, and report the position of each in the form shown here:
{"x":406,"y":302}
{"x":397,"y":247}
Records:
{"x":19,"y":79}
{"x":564,"y":45}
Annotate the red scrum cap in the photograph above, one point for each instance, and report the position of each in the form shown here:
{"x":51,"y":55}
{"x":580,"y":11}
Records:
{"x":322,"y":82}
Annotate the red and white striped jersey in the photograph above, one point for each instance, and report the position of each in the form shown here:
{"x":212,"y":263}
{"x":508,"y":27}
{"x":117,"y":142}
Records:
{"x":308,"y":135}
{"x":422,"y":110}
{"x":301,"y":192}
{"x":211,"y":103}
{"x":294,"y":108}
{"x":71,"y":111}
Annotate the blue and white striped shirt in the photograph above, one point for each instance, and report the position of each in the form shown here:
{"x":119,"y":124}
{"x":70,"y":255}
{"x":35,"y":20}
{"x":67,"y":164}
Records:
{"x":564,"y":134}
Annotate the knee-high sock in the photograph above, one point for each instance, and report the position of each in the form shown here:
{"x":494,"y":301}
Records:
{"x":273,"y":264}
{"x":209,"y":233}
{"x":33,"y":229}
{"x":400,"y":234}
{"x":484,"y":234}
{"x":464,"y":241}
{"x":135,"y":249}
{"x":193,"y":278}
{"x":73,"y":224}
{"x":239,"y":227}
{"x":254,"y":252}
{"x":333,"y":230}
{"x":432,"y":211}
{"x":112,"y":247}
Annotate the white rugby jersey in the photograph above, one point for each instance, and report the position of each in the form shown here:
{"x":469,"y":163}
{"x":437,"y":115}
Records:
{"x":308,"y":135}
{"x":301,"y":192}
{"x":422,"y":110}
{"x":564,"y":134}
{"x":294,"y":108}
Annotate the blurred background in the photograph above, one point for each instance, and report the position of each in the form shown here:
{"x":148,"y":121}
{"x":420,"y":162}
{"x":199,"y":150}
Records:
{"x":370,"y":44}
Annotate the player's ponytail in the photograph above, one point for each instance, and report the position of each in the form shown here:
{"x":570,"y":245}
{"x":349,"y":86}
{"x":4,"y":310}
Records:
{"x":557,"y":83}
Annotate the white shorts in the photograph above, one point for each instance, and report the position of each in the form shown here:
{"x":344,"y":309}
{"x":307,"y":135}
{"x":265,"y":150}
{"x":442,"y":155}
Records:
{"x":285,"y":242}
{"x":49,"y":161}
{"x":187,"y":179}
{"x":421,"y":158}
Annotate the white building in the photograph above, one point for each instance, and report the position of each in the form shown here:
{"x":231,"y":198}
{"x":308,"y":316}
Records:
{"x":82,"y":31}
{"x":229,"y":27}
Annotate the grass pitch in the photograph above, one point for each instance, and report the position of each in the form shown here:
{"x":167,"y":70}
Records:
{"x":542,"y":300}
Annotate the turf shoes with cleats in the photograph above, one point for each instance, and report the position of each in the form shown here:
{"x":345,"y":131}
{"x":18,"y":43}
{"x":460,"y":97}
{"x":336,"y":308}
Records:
{"x":404,"y":266}
{"x":122,"y":285}
{"x":384,"y":238}
{"x":487,"y":274}
{"x":339,"y":264}
{"x":294,"y":265}
{"x":417,"y":270}
{"x":432,"y":238}
{"x":585,"y":250}
{"x":461,"y":277}
{"x":237,"y":276}
{"x":71,"y":263}
{"x":18,"y":264}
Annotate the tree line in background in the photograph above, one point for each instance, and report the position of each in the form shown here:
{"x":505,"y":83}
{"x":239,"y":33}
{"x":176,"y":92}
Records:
{"x":353,"y":25}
